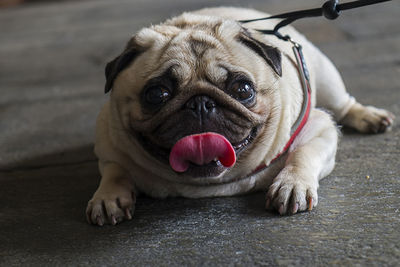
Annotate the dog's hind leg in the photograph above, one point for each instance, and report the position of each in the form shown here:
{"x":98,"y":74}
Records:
{"x":332,"y":95}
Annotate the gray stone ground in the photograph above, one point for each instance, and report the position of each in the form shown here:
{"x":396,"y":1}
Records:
{"x":51,"y":81}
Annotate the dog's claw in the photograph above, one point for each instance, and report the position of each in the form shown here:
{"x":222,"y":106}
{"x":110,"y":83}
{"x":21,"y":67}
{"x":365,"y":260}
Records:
{"x":99,"y":221}
{"x":295,"y":208}
{"x":128,"y":214}
{"x":113,"y":220}
{"x":282,"y":209}
{"x":310,"y":204}
{"x":268,"y":204}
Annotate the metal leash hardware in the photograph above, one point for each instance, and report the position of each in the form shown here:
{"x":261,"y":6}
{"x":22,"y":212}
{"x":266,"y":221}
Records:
{"x":305,"y":81}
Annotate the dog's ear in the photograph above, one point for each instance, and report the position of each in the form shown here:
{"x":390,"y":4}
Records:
{"x":118,"y":64}
{"x":270,"y":54}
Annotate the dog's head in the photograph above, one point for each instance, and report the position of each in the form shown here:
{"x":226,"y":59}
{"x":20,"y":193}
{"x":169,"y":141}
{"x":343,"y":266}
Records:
{"x":199,"y":87}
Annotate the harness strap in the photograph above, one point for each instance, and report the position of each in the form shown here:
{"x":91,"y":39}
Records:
{"x":306,"y":106}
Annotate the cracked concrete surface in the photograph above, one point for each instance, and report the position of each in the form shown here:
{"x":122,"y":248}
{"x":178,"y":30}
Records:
{"x":52,"y":57}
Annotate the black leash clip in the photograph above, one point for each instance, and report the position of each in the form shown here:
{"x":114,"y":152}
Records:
{"x":329,"y":9}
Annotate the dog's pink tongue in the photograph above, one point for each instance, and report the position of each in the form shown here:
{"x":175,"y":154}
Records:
{"x":201,"y":149}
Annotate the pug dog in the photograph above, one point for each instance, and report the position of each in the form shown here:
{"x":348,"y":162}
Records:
{"x":204,"y":106}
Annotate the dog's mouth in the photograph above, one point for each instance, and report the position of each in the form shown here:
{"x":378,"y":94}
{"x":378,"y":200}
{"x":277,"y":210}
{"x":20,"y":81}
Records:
{"x":200,"y":155}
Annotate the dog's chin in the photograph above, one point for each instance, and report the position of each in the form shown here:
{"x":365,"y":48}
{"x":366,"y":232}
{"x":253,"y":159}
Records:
{"x":212,"y":169}
{"x":209,"y":170}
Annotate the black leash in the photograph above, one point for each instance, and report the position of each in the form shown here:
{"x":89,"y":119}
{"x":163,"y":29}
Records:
{"x":329,"y":10}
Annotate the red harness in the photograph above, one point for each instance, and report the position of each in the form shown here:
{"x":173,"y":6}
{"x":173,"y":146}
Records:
{"x":305,"y":110}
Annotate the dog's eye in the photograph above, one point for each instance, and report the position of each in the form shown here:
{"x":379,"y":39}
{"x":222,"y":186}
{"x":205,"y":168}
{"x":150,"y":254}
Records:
{"x":242,"y":91}
{"x":157,"y":95}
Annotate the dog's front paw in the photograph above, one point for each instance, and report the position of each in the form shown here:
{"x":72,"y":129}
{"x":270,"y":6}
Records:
{"x":110,"y":206}
{"x":290,"y":193}
{"x":368,"y":119}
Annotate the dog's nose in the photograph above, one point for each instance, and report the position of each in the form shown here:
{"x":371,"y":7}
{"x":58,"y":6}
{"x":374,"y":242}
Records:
{"x":201,"y":104}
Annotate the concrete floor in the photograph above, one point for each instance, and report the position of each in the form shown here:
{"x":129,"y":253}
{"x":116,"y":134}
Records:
{"x":52,"y":58}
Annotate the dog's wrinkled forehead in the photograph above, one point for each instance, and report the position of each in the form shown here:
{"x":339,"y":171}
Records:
{"x":208,"y":29}
{"x":187,"y":39}
{"x":220,"y":28}
{"x":197,"y":47}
